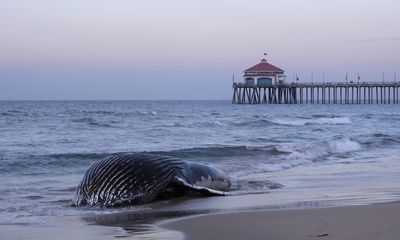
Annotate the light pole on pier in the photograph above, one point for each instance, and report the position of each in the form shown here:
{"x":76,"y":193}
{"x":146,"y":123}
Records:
{"x":312,"y":77}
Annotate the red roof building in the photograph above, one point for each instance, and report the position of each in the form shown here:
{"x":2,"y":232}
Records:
{"x":263,"y":73}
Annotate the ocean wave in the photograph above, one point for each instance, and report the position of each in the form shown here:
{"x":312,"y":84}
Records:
{"x":315,"y":150}
{"x":343,"y":145}
{"x":63,"y":202}
{"x":273,"y":157}
{"x":280,"y":151}
{"x":207,"y":124}
{"x":152,"y":113}
{"x":102,"y":112}
{"x":256,"y":168}
{"x":106,"y":112}
{"x":36,"y":165}
{"x":249,"y":172}
{"x":79,"y":156}
{"x":219,"y":151}
{"x":13,"y":113}
{"x":321,"y":120}
{"x":381,"y":140}
{"x":242,"y":161}
{"x":68,"y":189}
{"x":98,"y":124}
{"x":99,"y":113}
{"x":33,"y":197}
{"x":219,"y":123}
{"x":171,"y":125}
{"x":253,"y":123}
{"x":93,"y":122}
{"x":262,"y":122}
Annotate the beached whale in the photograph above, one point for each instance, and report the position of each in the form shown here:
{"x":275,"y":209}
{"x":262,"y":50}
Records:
{"x":140,"y":178}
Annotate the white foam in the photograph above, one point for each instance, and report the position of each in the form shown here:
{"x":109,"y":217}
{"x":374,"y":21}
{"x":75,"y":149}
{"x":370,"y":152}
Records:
{"x":334,"y":120}
{"x":219,"y":123}
{"x":297,"y":122}
{"x":343,"y":145}
{"x":314,"y":150}
{"x":323,"y":120}
{"x":271,"y":167}
{"x":153,"y":113}
{"x":301,"y":154}
{"x":303,"y":151}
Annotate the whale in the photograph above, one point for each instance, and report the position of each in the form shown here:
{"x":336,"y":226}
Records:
{"x":127,"y":179}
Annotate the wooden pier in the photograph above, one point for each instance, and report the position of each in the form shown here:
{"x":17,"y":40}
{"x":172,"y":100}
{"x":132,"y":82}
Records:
{"x":317,"y":93}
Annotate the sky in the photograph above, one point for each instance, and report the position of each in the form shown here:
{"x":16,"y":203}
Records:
{"x":186,"y":49}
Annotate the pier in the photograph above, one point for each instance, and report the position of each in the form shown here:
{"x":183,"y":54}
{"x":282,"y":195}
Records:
{"x":317,"y":93}
{"x":265,"y":83}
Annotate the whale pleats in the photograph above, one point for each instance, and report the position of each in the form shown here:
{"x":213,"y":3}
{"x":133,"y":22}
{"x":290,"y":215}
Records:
{"x":126,"y":179}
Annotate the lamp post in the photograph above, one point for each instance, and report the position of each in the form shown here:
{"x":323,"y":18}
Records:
{"x":312,"y":78}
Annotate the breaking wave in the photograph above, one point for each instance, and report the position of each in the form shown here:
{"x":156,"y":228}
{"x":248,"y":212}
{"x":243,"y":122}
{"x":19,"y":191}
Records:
{"x":322,"y":120}
{"x":294,"y":122}
{"x":338,"y":145}
{"x":380,"y":140}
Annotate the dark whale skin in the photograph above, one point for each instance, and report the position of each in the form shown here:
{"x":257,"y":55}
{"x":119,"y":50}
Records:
{"x":138,"y":178}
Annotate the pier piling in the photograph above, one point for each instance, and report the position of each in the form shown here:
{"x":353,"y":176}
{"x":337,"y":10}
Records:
{"x":316,"y":93}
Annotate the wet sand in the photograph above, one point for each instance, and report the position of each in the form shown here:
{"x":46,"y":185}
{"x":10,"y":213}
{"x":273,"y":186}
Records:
{"x":76,"y":228}
{"x":62,"y":229}
{"x":379,"y":221}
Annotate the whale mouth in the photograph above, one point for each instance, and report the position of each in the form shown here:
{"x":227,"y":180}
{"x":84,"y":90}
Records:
{"x":200,"y":190}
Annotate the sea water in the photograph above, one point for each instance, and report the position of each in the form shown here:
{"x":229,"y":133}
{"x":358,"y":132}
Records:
{"x":343,"y":153}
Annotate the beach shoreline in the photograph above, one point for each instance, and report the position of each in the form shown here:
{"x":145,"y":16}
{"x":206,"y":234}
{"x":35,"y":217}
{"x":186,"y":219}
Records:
{"x":376,"y":221}
{"x":293,"y":221}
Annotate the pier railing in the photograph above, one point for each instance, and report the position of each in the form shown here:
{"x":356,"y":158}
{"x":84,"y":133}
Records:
{"x":317,"y":93}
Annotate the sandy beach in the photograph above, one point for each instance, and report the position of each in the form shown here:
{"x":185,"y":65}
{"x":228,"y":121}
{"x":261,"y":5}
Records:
{"x":380,"y":221}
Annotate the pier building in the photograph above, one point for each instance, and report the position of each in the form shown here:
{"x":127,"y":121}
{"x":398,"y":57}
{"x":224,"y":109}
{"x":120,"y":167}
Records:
{"x":263,"y":73}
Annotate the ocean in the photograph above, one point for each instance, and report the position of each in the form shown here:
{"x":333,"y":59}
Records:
{"x":293,"y":155}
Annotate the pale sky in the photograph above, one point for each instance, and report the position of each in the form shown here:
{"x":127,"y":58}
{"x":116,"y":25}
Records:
{"x":186,"y":49}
